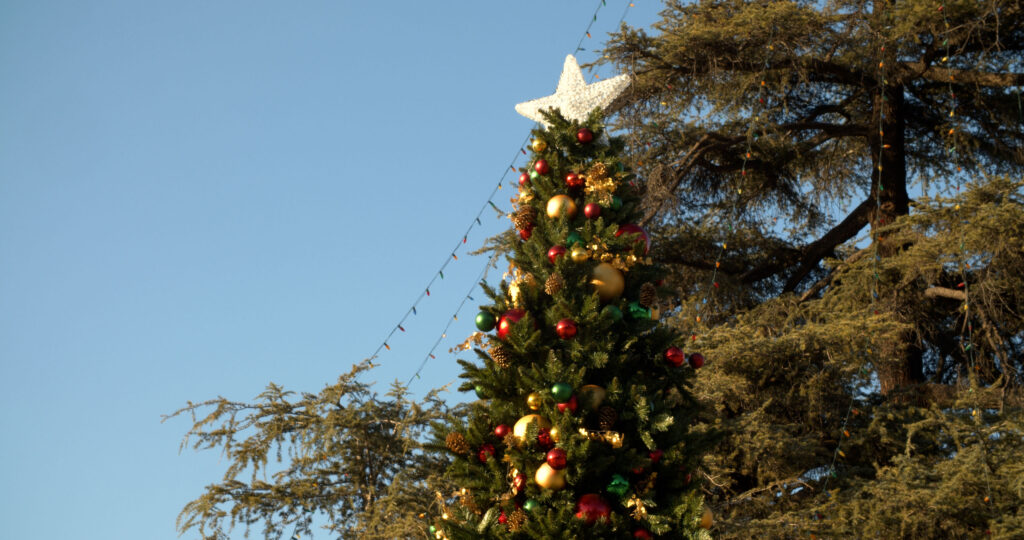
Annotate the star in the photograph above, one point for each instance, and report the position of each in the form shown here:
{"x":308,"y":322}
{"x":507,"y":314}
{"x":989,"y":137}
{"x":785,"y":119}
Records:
{"x":574,"y":97}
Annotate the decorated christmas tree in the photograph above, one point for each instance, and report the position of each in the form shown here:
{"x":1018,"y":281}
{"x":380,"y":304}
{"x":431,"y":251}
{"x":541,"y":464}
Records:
{"x":585,"y":426}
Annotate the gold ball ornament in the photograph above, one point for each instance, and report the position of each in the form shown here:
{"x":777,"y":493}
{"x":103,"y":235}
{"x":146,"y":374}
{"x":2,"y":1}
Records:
{"x":561,"y":204}
{"x":539,"y":145}
{"x":548,"y":478}
{"x":578,"y":254}
{"x":608,"y":281}
{"x":707,"y":520}
{"x":519,"y":430}
{"x":534,"y":400}
{"x":591,"y":396}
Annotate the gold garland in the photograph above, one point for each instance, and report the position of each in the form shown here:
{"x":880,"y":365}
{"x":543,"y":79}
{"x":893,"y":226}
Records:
{"x":599,"y":184}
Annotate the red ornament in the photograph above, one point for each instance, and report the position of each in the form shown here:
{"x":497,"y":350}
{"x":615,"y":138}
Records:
{"x":640,"y":533}
{"x":592,"y":210}
{"x":541,"y":167}
{"x":675,"y":356}
{"x":555,"y":252}
{"x":566,"y":329}
{"x":486,"y":451}
{"x":696,"y":360}
{"x":525,"y":234}
{"x":591,"y":508}
{"x":584,"y":135}
{"x":501,"y":430}
{"x":574,"y":180}
{"x":503,"y":519}
{"x":556,"y":458}
{"x":524,"y":179}
{"x":630,"y":228}
{"x":570,"y":405}
{"x":544,"y":438}
{"x":505,"y":322}
{"x":655,"y":456}
{"x":518,"y":482}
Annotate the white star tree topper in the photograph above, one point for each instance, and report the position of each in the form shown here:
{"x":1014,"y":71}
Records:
{"x":574,"y":97}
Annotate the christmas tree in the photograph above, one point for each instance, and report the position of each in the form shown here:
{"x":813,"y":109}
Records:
{"x":584,"y":424}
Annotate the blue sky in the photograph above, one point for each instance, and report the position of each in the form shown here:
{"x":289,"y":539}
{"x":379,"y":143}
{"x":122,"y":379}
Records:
{"x":197,"y":198}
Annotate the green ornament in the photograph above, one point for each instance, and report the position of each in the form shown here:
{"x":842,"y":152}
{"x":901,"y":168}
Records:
{"x":534,"y":175}
{"x":573,"y":239}
{"x":637,"y":311}
{"x":433,"y":529}
{"x":619,"y":486}
{"x":485,"y":321}
{"x":612,"y":312}
{"x":530,"y":505}
{"x":561,"y":392}
{"x":481,"y":392}
{"x":616,"y":202}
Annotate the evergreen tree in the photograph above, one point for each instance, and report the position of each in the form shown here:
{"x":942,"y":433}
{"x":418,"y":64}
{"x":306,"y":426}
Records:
{"x":344,"y":457}
{"x":866,"y":348}
{"x":584,"y":424}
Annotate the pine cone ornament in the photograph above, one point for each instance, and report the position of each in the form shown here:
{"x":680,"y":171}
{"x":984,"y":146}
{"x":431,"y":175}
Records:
{"x":524,"y":218}
{"x":554,"y":283}
{"x":501,"y":356}
{"x":648,"y":295}
{"x":457,"y":443}
{"x":606,"y":418}
{"x":516,"y":520}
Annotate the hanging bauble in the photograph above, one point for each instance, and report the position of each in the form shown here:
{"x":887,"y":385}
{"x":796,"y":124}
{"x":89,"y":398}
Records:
{"x":655,"y":456}
{"x":549,"y":478}
{"x":486,"y":451}
{"x":534,"y":401}
{"x":612,"y":312}
{"x":518,"y":482}
{"x":591,"y":396}
{"x":485,"y":321}
{"x":501,"y":430}
{"x":557,"y":458}
{"x":591,"y":508}
{"x":638,"y":234}
{"x":541,"y":167}
{"x":584,"y":135}
{"x":696,"y":360}
{"x":534,"y":175}
{"x":506,"y":321}
{"x":578,"y":254}
{"x":675,"y":356}
{"x":608,"y":281}
{"x":574,"y":181}
{"x":481,"y":392}
{"x":530,"y":505}
{"x":642,"y":534}
{"x":570,"y":405}
{"x":636,"y":311}
{"x":619,"y":486}
{"x":573,"y":238}
{"x":524,"y":179}
{"x":519,"y":429}
{"x":433,"y":529}
{"x":616,"y":202}
{"x":566,"y":329}
{"x":561,"y":204}
{"x":555,"y":252}
{"x":539,"y":145}
{"x":592,"y":210}
{"x":525,"y":234}
{"x":554,"y":434}
{"x":561,"y":392}
{"x":707,"y":519}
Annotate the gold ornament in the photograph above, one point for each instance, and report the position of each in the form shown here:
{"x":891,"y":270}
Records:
{"x":549,"y":478}
{"x":555,"y":434}
{"x":539,"y":145}
{"x":561,"y":204}
{"x":516,"y":520}
{"x":591,"y":396}
{"x":608,"y":282}
{"x":578,"y":254}
{"x":554,"y":283}
{"x":519,"y":430}
{"x":708,"y":519}
{"x":534,"y":400}
{"x":637,"y":504}
{"x":600,"y":184}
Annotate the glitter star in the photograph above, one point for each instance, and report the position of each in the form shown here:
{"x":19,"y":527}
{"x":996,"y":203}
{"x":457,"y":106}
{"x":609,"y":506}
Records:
{"x":574,"y":97}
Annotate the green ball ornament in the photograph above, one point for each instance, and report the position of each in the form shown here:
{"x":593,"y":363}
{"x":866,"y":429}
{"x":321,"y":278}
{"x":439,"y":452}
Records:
{"x":534,"y":175}
{"x":561,"y":392}
{"x":530,"y":505}
{"x":616,"y":202}
{"x":637,"y":311}
{"x":619,"y":486}
{"x":485,"y":321}
{"x":573,"y":238}
{"x":481,"y":392}
{"x":612,"y":312}
{"x":433,"y":529}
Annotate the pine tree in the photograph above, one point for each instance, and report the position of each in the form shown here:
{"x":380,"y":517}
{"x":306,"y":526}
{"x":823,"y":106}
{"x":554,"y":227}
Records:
{"x":584,"y":427}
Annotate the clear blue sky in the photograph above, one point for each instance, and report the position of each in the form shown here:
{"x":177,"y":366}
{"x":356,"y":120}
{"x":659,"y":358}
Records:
{"x":197,"y":198}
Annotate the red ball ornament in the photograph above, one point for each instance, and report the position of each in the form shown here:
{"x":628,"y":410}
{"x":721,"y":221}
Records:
{"x":525,"y":234}
{"x":570,"y":405}
{"x":592,"y":210}
{"x":655,"y":456}
{"x":591,"y":508}
{"x":574,"y":180}
{"x":503,"y":519}
{"x":501,"y":430}
{"x":505,"y":322}
{"x":696,"y":360}
{"x":640,"y":533}
{"x":557,"y":458}
{"x":486,"y":451}
{"x":555,"y":252}
{"x":675,"y":356}
{"x":566,"y":329}
{"x":544,"y":439}
{"x":524,"y":179}
{"x":541,"y":167}
{"x":518,"y":482}
{"x":630,"y":228}
{"x":584,"y":135}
